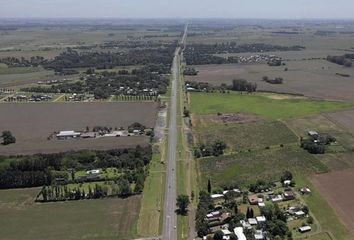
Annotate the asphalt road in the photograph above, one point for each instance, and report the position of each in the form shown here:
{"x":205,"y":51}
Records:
{"x":170,"y":218}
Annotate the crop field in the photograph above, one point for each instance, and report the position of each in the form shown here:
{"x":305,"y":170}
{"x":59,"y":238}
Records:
{"x":312,"y":78}
{"x":241,"y":137}
{"x":344,"y":118}
{"x":245,"y":168}
{"x":265,"y":105}
{"x":32,"y":124}
{"x":335,"y":188}
{"x":22,"y":218}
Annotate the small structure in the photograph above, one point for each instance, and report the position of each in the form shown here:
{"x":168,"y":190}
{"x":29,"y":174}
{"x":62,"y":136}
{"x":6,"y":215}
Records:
{"x":253,"y":199}
{"x":261,"y":204}
{"x":313,"y":134}
{"x":88,"y":135}
{"x":300,"y":214}
{"x":93,"y":172}
{"x":305,"y":190}
{"x":258,"y":235}
{"x":216,"y":196}
{"x":239,"y":233}
{"x":276,"y":198}
{"x":288,"y":195}
{"x":252,"y":221}
{"x":261,"y":219}
{"x":245,"y":224}
{"x":68,"y":134}
{"x":304,"y":229}
{"x":287,"y":182}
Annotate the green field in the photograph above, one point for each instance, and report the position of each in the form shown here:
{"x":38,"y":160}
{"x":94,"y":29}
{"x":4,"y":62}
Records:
{"x":21,"y":218}
{"x":248,"y":167}
{"x":240,"y":137}
{"x":18,"y":70}
{"x":261,"y":104}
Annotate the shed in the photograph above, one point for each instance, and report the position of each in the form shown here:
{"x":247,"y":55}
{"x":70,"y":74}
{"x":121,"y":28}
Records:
{"x":304,"y":229}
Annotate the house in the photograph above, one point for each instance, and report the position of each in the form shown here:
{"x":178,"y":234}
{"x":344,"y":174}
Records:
{"x":226,"y":234}
{"x":239,"y":233}
{"x":67,"y":135}
{"x":304,"y":229}
{"x":252,"y":221}
{"x":253,"y":199}
{"x":288,"y":195}
{"x":276,"y":198}
{"x":261,"y":204}
{"x":216,"y":196}
{"x":245,"y":225}
{"x":299,"y":213}
{"x":258,"y":235}
{"x":261,"y":219}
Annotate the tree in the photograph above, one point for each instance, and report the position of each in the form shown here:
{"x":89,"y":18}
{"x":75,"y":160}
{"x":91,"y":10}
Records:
{"x":182,"y":203}
{"x":8,"y":138}
{"x":250,"y":213}
{"x":218,"y":235}
{"x":209,"y":186}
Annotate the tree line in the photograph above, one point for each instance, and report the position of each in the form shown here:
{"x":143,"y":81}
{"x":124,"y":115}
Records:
{"x":44,"y":169}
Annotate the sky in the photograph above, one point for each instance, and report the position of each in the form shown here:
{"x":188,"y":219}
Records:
{"x":286,"y":9}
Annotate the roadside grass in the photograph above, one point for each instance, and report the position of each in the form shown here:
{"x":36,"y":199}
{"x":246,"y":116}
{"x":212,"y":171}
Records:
{"x":233,"y":102}
{"x":248,"y":167}
{"x":239,"y":137}
{"x":22,"y":218}
{"x":150,"y":217}
{"x":324,"y":213}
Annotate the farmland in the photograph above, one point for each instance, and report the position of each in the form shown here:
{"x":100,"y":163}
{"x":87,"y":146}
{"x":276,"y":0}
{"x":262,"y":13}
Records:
{"x":98,"y":219}
{"x":44,"y":119}
{"x":261,"y":104}
{"x":241,"y":137}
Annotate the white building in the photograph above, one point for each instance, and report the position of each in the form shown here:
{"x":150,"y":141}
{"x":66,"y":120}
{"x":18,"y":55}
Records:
{"x":68,"y":134}
{"x":239,"y":233}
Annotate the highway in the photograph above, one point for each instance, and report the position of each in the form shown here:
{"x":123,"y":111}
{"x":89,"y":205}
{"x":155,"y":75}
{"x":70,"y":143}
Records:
{"x":169,"y":231}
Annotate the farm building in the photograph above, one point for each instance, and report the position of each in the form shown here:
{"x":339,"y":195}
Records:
{"x":313,"y":134}
{"x":68,"y":134}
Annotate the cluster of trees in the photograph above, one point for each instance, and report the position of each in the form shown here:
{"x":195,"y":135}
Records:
{"x":205,"y":205}
{"x":189,"y":71}
{"x":345,"y":60}
{"x":243,"y":85}
{"x":22,"y":62}
{"x":42,"y":169}
{"x":317,"y":144}
{"x":277,"y":80}
{"x":260,"y":186}
{"x":121,"y":188}
{"x":276,"y":224}
{"x":215,"y":149}
{"x":107,"y":60}
{"x":203,"y":53}
{"x":182,"y":203}
{"x":7,"y":138}
{"x":135,"y":44}
{"x":147,"y":81}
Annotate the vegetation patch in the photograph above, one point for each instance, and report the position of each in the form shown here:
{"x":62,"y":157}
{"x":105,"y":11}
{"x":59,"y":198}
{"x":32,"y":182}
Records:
{"x":212,"y":103}
{"x":245,"y":168}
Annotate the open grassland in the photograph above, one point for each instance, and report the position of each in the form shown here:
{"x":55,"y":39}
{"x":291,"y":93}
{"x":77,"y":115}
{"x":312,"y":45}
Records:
{"x":150,"y":217}
{"x":336,"y":188}
{"x":326,"y":216}
{"x":241,"y":137}
{"x":21,"y":218}
{"x":245,"y":168}
{"x":32,"y":124}
{"x":260,"y":104}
